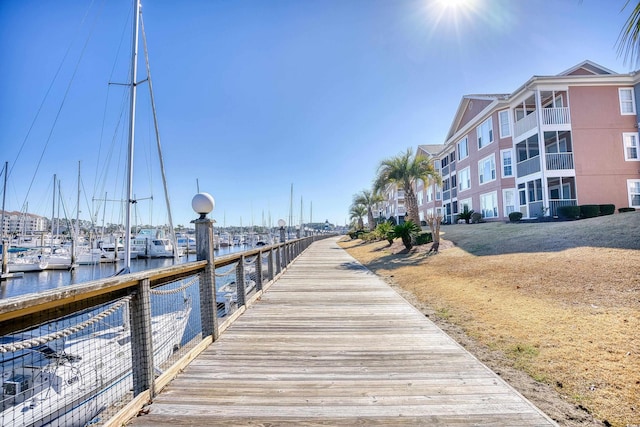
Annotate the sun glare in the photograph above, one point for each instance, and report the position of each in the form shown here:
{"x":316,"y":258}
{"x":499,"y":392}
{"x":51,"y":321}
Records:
{"x":457,"y":5}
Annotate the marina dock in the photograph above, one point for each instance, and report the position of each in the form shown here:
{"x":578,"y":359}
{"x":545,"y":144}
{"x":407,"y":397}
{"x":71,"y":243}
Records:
{"x":329,"y":343}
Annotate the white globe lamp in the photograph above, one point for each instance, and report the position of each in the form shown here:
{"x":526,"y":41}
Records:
{"x":203,"y":204}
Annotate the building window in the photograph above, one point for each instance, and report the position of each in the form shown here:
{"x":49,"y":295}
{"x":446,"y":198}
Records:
{"x":438,"y":193}
{"x":534,"y":189}
{"x":463,"y":149}
{"x":505,"y":128}
{"x":485,"y":133}
{"x":627,"y":101}
{"x":466,"y":203}
{"x":489,"y":205}
{"x":487,"y":169}
{"x":634,"y":192}
{"x":506,"y":157}
{"x":509,"y":201}
{"x":464,"y":182}
{"x":630,"y":146}
{"x":429,"y":193}
{"x":420,"y":198}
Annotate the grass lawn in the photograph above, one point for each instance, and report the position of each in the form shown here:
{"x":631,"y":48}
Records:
{"x":559,"y":301}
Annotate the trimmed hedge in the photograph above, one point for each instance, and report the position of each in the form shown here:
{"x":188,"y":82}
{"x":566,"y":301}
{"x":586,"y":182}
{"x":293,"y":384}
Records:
{"x":569,"y":212}
{"x":515,"y":216}
{"x":608,"y":209}
{"x":626,"y":210}
{"x":589,"y":211}
{"x":424,"y":238}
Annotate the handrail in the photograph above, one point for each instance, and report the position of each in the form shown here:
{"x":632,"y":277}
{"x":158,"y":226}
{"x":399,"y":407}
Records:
{"x":146,"y":307}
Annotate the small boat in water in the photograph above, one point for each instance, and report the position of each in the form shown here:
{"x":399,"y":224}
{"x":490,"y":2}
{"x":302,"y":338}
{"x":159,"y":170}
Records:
{"x":25,"y":261}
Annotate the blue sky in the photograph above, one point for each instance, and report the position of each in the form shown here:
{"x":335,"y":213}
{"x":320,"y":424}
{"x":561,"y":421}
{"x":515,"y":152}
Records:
{"x":254,"y":96}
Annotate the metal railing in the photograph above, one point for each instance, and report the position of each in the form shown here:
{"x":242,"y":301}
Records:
{"x":556,"y":116}
{"x":559,"y":161}
{"x":69,"y":353}
{"x":556,"y":203}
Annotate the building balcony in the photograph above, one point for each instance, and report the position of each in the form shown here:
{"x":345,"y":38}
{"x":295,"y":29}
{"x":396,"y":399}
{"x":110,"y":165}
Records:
{"x":529,"y":166}
{"x":559,"y":161}
{"x":556,"y":116}
{"x":525,"y":124}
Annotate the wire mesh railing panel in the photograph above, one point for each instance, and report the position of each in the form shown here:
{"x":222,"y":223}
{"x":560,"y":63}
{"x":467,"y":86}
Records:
{"x":226,"y":290}
{"x":67,"y":371}
{"x":175,"y":321}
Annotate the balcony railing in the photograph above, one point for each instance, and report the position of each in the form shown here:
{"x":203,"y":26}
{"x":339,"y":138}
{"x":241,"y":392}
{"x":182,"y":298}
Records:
{"x":446,"y":195}
{"x":555,"y":204}
{"x":400,"y":195}
{"x":559,"y":161}
{"x":524,"y":125}
{"x":528,"y":166}
{"x":445,"y":170}
{"x":556,"y":116}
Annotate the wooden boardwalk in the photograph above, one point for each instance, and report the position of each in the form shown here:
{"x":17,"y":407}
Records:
{"x":331,"y":344}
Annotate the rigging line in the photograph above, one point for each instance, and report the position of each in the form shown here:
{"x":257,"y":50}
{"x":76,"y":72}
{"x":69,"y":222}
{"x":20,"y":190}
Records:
{"x":104,"y":114}
{"x":64,"y":98}
{"x":46,"y":95}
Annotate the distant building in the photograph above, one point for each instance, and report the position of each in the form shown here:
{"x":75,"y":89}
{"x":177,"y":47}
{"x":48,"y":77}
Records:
{"x":568,"y":139}
{"x":23,"y":223}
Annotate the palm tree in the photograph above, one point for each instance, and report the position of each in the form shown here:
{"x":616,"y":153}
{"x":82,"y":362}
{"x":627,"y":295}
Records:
{"x":629,"y":39}
{"x":404,"y":170}
{"x":368,"y":199}
{"x":357,"y":212}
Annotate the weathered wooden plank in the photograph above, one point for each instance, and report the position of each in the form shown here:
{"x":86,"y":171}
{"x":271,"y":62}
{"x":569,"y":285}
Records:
{"x":332,"y":344}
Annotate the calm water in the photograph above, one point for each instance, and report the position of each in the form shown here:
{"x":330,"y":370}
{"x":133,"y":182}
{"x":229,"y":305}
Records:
{"x":53,"y":279}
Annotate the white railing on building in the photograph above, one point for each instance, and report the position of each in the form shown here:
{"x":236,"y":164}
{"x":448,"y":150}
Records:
{"x":556,"y":203}
{"x":525,"y":124}
{"x":559,"y":161}
{"x":556,"y":116}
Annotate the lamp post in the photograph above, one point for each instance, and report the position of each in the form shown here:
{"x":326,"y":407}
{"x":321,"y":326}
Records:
{"x":281,"y":224}
{"x":203,"y":204}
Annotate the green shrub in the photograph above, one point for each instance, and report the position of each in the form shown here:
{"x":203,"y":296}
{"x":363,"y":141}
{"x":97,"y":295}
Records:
{"x":384,"y":231}
{"x":406,"y":231}
{"x":424,"y":238}
{"x":466,"y":214}
{"x":589,"y":211}
{"x":476,"y":217}
{"x":356,"y":234}
{"x":626,"y":210}
{"x":608,"y":209}
{"x":569,"y":212}
{"x":515,"y":216}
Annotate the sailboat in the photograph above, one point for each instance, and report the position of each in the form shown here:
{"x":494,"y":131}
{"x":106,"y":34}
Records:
{"x":66,"y":382}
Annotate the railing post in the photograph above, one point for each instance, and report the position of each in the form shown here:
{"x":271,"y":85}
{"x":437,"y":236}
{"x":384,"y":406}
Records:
{"x":240,"y":282}
{"x":141,"y":344}
{"x":279,"y":260}
{"x":270,"y":267}
{"x":204,"y":251}
{"x":259,"y":271}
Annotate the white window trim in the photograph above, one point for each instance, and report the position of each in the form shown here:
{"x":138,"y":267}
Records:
{"x":500,"y":123}
{"x":493,"y":194}
{"x":516,"y":200}
{"x":478,"y":133}
{"x":465,"y":140}
{"x":624,"y":146}
{"x":460,"y":180}
{"x":633,"y":100}
{"x":630,"y":182}
{"x":502,"y":162}
{"x":481,"y":169}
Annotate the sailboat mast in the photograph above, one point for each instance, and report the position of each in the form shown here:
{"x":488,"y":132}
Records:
{"x":53,"y":210}
{"x":172,"y":233}
{"x":4,"y":194}
{"x":132,"y":119}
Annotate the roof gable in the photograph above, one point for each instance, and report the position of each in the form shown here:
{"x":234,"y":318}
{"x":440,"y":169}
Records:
{"x":586,"y":68}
